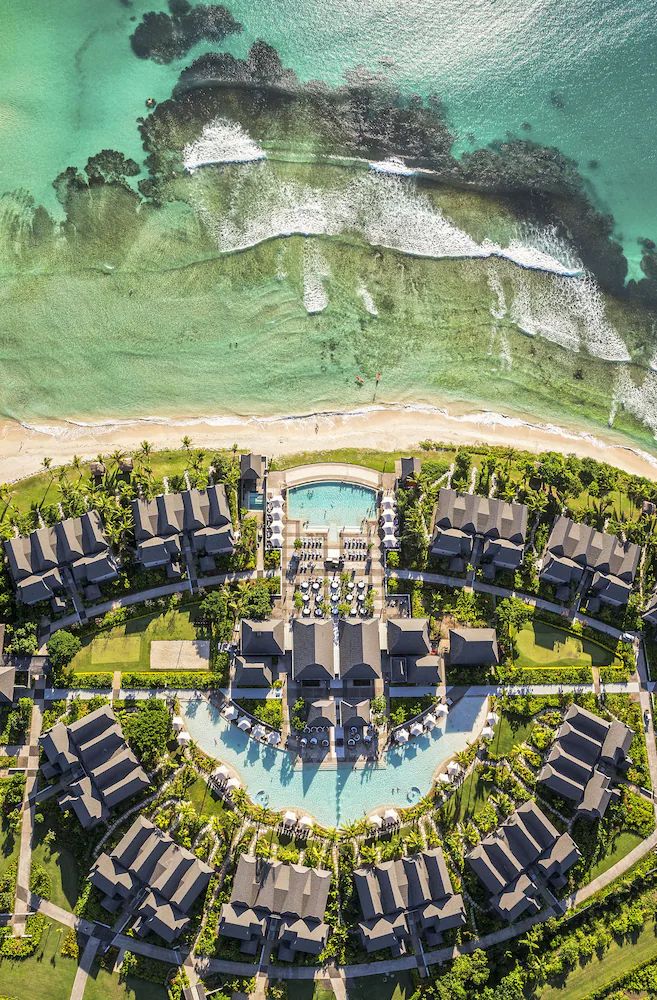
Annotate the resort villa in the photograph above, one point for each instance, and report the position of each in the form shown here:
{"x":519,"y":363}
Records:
{"x":579,"y":556}
{"x":52,"y":560}
{"x":394,"y":893}
{"x":478,"y":530}
{"x":289,"y":899}
{"x":587,"y":754}
{"x":176,"y":524}
{"x":526,"y":854}
{"x":92,"y":766}
{"x":151,"y":878}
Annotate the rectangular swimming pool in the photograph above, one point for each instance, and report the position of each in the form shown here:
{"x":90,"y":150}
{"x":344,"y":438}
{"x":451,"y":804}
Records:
{"x":330,"y":504}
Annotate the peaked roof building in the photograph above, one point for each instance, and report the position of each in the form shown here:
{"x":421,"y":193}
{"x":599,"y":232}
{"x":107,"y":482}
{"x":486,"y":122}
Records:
{"x":201,"y":515}
{"x":312,"y":652}
{"x":410,"y":660}
{"x":525,"y":848}
{"x":473,"y":647}
{"x":359,"y":650}
{"x":390,"y":891}
{"x":38,"y":563}
{"x":463,"y":517}
{"x":262,"y":653}
{"x":574,"y":548}
{"x":93,"y":763}
{"x":584,"y":758}
{"x":295,"y":894}
{"x":149,"y":867}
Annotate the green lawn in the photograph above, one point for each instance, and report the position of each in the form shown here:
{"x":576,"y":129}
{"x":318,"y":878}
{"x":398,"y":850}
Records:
{"x":307,"y":990}
{"x":203,"y":799}
{"x":617,"y":961}
{"x":468,"y":798}
{"x":60,"y":864}
{"x":9,"y":845}
{"x":381,"y":461}
{"x":128,"y":646}
{"x":387,"y":987}
{"x":103,"y":985}
{"x":541,"y":645}
{"x":510,"y":731}
{"x":622,"y":845}
{"x":43,"y":976}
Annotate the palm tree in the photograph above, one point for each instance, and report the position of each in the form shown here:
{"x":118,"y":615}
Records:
{"x":145,"y":448}
{"x":187,"y":442}
{"x":46,"y":464}
{"x":76,"y":464}
{"x":117,"y":457}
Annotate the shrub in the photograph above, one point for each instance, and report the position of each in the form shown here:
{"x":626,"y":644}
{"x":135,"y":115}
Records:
{"x":62,"y":647}
{"x":70,"y":947}
{"x":148,"y":730}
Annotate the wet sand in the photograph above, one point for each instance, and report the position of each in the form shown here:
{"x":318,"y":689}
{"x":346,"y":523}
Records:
{"x":22,"y":447}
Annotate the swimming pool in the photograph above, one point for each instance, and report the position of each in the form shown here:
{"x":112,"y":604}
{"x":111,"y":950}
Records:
{"x":340,"y":794}
{"x":334,"y":504}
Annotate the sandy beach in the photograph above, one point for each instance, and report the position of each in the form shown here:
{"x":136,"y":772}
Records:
{"x":22,"y":447}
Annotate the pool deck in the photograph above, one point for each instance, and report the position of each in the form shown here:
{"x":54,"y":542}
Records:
{"x":323,"y":471}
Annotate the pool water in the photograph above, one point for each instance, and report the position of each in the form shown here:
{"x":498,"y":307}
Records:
{"x":342,"y":793}
{"x":333,"y":504}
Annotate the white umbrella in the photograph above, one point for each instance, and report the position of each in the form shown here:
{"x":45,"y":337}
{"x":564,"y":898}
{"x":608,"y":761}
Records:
{"x":274,"y":739}
{"x":289,"y":819}
{"x":492,"y":718}
{"x":375,"y":821}
{"x":177,"y":723}
{"x":183,"y":737}
{"x":276,"y":515}
{"x":276,"y":501}
{"x":388,"y":502}
{"x":389,"y":542}
{"x":230,"y":712}
{"x":232,"y":783}
{"x":361,"y":584}
{"x":416,"y":729}
{"x":304,"y":585}
{"x":487,"y":733}
{"x":401,"y":736}
{"x":258,"y":732}
{"x":222,"y":772}
{"x":306,"y":822}
{"x":388,"y":516}
{"x":430,"y":721}
{"x":442,"y":709}
{"x":453,"y":767}
{"x":244,"y":724}
{"x":391,"y":816}
{"x":444,"y":779}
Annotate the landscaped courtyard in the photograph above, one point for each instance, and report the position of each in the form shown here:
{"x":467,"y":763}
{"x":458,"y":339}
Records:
{"x":540,"y":644}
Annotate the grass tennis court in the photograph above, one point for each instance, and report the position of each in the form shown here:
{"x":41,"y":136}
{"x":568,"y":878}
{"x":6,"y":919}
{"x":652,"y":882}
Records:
{"x":128,"y":646}
{"x":541,"y":645}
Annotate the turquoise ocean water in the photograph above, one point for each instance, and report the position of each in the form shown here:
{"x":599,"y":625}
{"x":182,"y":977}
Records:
{"x":584,"y":76}
{"x":148,"y":311}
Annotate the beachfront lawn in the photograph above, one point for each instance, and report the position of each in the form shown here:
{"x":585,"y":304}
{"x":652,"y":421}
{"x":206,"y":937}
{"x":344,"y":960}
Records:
{"x":104,"y":985}
{"x":619,"y":960}
{"x":59,"y":862}
{"x":128,"y":646}
{"x":510,"y":731}
{"x":539,"y":644}
{"x":46,"y":974}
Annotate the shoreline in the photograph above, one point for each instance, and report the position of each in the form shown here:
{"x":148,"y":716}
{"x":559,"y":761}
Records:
{"x":386,"y":427}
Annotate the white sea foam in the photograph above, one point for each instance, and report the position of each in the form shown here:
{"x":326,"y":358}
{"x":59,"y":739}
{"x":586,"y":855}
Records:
{"x":497,"y":311}
{"x":368,"y":301}
{"x":221,"y":141}
{"x":639,"y":400}
{"x":315,"y":272}
{"x":384,"y":210}
{"x":394,"y":165}
{"x":567,"y":311}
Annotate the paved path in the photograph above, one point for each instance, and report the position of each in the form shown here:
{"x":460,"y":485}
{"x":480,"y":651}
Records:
{"x":27,"y":819}
{"x":581,"y":895}
{"x":84,"y":968}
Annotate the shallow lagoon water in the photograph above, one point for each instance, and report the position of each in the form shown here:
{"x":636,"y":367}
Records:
{"x":340,"y":794}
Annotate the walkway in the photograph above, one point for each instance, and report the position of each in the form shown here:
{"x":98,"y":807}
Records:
{"x":27,"y":819}
{"x":84,"y":968}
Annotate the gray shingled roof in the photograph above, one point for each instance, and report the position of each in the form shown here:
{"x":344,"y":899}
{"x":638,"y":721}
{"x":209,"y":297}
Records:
{"x":473,"y":646}
{"x":169,"y":878}
{"x":312,"y":650}
{"x":501,"y":861}
{"x":461,"y":517}
{"x":408,"y":636}
{"x":266,"y":638}
{"x":322,"y":713}
{"x":582,"y":758}
{"x":93,"y":757}
{"x":360,"y":649}
{"x":203,"y":515}
{"x":36,"y":561}
{"x":574,"y":546}
{"x":252,"y":467}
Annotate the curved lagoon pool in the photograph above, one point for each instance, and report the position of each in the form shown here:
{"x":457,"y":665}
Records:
{"x":333,"y":504}
{"x":341,"y":793}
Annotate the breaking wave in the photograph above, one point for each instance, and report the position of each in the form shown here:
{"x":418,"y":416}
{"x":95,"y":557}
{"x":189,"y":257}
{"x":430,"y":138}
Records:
{"x":221,"y":141}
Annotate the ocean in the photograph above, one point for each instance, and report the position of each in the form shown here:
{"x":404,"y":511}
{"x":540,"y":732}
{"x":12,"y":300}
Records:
{"x":216,"y":302}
